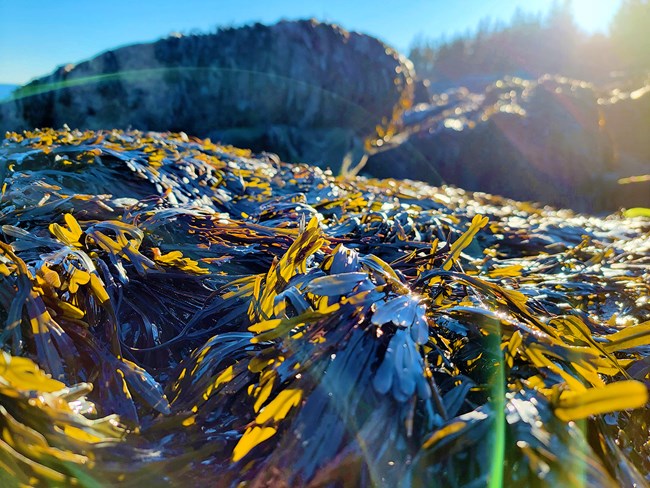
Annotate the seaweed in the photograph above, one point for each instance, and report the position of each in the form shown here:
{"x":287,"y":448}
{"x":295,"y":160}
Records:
{"x":178,"y":311}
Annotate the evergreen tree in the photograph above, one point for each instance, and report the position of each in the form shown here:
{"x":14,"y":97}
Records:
{"x":531,"y":45}
{"x":630,"y":34}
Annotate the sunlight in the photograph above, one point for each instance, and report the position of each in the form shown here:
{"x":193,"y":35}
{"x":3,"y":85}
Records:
{"x":595,"y":15}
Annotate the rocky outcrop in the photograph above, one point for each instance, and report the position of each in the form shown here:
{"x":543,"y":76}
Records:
{"x":314,"y":92}
{"x":305,"y":90}
{"x":551,"y":140}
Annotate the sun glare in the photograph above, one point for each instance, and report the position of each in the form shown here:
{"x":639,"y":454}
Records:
{"x":595,"y":15}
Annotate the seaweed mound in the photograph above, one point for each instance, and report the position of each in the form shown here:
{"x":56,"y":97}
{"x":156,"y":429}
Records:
{"x":174,"y":311}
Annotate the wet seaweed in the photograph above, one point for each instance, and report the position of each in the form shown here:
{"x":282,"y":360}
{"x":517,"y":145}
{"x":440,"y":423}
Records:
{"x":179,"y":311}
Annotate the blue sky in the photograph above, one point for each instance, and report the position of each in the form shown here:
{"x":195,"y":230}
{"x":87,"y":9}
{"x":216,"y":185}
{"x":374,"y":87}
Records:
{"x":36,"y":36}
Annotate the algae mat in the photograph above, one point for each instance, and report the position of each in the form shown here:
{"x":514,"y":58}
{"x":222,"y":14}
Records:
{"x":175,"y":311}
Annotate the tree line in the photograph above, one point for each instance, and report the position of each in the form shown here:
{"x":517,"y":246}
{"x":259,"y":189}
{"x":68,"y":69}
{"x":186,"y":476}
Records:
{"x":532,"y":44}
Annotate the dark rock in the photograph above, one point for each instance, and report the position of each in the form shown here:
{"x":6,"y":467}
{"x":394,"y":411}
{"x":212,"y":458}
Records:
{"x":626,"y":119}
{"x":421,"y":91}
{"x":306,"y":90}
{"x":551,"y":140}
